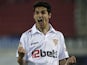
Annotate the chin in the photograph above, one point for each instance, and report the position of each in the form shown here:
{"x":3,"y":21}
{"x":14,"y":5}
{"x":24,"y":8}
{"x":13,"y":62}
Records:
{"x":41,"y":26}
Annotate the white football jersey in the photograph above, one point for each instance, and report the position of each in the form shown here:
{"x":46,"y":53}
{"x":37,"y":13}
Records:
{"x":43,"y":49}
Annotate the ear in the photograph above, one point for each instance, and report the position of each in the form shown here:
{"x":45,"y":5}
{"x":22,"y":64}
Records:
{"x":50,"y":15}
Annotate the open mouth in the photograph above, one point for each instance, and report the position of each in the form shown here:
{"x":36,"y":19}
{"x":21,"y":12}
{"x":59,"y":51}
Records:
{"x":40,"y":20}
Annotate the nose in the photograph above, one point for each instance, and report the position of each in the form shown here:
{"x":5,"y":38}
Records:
{"x":40,"y":15}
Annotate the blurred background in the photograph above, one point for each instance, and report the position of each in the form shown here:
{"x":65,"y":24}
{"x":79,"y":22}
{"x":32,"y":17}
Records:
{"x":68,"y":16}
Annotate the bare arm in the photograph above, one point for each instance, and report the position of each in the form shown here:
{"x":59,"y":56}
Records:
{"x":21,"y":53}
{"x":71,"y":60}
{"x":62,"y":62}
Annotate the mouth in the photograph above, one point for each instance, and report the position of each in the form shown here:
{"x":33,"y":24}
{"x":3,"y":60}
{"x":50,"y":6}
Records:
{"x":40,"y":20}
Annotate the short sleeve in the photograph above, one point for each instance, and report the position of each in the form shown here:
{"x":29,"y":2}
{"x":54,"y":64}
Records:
{"x":23,"y":39}
{"x":63,"y":51}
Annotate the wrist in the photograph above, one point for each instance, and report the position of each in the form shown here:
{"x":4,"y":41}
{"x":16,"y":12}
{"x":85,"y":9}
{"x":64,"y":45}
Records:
{"x":20,"y":57}
{"x":20,"y":61}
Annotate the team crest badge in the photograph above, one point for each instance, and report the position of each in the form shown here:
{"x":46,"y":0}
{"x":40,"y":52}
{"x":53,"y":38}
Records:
{"x":55,"y":41}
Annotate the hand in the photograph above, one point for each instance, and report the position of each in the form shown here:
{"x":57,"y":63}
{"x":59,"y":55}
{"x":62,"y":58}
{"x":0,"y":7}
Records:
{"x":71,"y":60}
{"x":21,"y":52}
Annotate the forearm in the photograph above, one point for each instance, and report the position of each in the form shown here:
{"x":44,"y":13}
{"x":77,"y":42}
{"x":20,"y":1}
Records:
{"x":62,"y":62}
{"x":20,"y":61}
{"x":21,"y":53}
{"x":69,"y":61}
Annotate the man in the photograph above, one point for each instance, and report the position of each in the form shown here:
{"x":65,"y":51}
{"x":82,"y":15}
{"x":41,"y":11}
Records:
{"x":42,"y":44}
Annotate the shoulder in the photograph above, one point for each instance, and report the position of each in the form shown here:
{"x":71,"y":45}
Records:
{"x":26,"y":33}
{"x":59,"y":33}
{"x":61,"y":36}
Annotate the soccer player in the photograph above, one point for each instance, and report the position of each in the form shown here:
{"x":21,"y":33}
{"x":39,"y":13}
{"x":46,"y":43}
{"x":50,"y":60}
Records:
{"x":42,"y":44}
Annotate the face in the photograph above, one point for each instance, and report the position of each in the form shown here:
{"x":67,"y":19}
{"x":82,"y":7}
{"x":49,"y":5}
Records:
{"x":41,"y":17}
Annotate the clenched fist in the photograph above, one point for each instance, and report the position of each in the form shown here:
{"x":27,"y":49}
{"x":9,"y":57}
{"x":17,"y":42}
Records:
{"x":71,"y":60}
{"x":21,"y":53}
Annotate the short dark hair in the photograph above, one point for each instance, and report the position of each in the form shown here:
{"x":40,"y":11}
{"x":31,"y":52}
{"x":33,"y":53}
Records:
{"x":42,"y":4}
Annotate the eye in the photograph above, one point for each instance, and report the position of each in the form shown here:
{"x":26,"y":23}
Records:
{"x":43,"y":12}
{"x":36,"y":12}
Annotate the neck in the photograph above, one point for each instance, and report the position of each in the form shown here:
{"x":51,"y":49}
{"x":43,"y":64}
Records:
{"x":44,"y":30}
